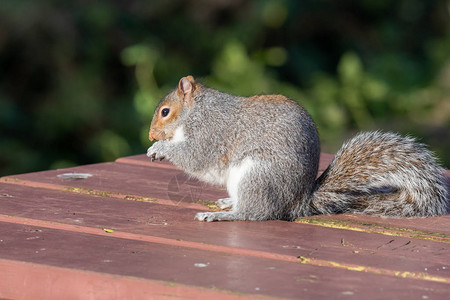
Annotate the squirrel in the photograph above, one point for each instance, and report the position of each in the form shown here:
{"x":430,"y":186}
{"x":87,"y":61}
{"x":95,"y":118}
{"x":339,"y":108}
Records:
{"x":265,"y":151}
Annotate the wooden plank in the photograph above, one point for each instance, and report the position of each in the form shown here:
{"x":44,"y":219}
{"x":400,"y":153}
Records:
{"x":278,"y":238}
{"x":146,"y":181}
{"x":151,"y":184}
{"x":389,"y":271}
{"x":26,"y":281}
{"x":43,"y":246}
{"x":238,"y":273}
{"x":344,"y":247}
{"x":431,"y":228}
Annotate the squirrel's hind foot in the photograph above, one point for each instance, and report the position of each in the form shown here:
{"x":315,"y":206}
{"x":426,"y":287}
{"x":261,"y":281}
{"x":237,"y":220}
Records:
{"x":216,"y":216}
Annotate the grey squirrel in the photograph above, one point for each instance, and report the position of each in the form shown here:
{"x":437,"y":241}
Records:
{"x":265,"y":151}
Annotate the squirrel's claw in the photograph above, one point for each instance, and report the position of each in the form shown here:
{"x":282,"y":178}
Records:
{"x":154,"y":157}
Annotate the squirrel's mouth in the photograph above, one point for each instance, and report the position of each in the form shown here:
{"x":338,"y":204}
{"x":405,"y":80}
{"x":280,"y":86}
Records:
{"x":156,"y":135}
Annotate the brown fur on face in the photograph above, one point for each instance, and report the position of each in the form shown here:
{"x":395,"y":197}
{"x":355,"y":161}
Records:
{"x":162,"y":128}
{"x":158,"y":130}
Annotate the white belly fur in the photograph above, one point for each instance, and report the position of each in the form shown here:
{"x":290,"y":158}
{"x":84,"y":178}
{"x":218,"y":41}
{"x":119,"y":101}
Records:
{"x":235,"y":175}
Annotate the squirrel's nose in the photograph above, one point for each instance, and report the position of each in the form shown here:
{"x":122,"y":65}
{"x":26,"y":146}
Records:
{"x":150,"y":135}
{"x":156,"y":135}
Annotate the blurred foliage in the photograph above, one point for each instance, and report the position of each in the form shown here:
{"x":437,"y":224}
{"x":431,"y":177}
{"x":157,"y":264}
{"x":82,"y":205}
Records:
{"x":79,"y":79}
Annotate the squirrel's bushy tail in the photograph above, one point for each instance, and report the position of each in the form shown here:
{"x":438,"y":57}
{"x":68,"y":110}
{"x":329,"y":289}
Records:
{"x":382,"y":174}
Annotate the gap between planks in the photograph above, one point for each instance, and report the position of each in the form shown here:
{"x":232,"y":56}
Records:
{"x":224,"y":249}
{"x":354,"y":225}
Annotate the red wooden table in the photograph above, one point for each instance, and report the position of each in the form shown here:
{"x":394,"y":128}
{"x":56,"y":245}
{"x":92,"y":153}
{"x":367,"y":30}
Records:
{"x":126,"y":230}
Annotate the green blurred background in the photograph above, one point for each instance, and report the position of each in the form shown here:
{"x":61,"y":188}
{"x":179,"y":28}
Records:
{"x":79,"y":79}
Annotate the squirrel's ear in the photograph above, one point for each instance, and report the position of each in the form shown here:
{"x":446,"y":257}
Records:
{"x":186,"y":87}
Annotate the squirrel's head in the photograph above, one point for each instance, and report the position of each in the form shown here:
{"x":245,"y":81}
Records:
{"x":166,"y":117}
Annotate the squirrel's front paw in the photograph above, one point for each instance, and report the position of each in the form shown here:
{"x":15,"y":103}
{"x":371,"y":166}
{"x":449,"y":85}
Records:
{"x":155,"y":156}
{"x":154,"y":152}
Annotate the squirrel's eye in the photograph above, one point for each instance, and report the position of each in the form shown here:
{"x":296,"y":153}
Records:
{"x":165,"y":112}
